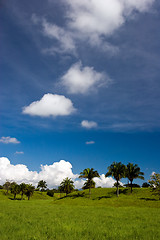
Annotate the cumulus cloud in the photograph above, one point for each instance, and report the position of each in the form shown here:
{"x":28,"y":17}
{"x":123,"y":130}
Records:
{"x":7,"y":140}
{"x":90,"y":142}
{"x":82,"y":80}
{"x":104,"y":182}
{"x":92,"y":21}
{"x":53,"y":174}
{"x":88,"y":124}
{"x":50,"y":105}
{"x":96,"y":18}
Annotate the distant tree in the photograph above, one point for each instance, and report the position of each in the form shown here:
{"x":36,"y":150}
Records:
{"x":116,"y":170}
{"x":134,"y":185}
{"x":7,"y":186}
{"x":42,"y":185}
{"x":23,"y":187}
{"x":66,"y":186}
{"x":145,"y":185}
{"x":133,"y":172}
{"x":89,"y":174}
{"x":29,"y":190}
{"x":155,"y":183}
{"x":89,"y":184}
{"x":15,"y":189}
{"x":1,"y":187}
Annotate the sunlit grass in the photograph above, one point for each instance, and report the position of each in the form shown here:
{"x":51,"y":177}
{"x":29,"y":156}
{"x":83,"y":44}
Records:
{"x":104,"y":216}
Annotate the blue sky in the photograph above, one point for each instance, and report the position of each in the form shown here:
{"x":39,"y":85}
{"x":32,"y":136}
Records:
{"x":80,"y":82}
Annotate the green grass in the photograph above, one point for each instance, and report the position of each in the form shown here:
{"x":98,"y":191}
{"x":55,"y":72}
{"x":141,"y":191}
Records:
{"x":103,"y":216}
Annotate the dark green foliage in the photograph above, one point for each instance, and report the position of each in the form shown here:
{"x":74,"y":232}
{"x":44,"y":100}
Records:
{"x":50,"y":192}
{"x":89,"y":184}
{"x":42,"y":185}
{"x":133,"y":172}
{"x":15,"y":189}
{"x":7,"y":186}
{"x":116,"y":170}
{"x":89,"y":173}
{"x":145,"y":185}
{"x":23,"y":188}
{"x":1,"y":187}
{"x":134,"y":185}
{"x":29,"y":190}
{"x":66,"y":186}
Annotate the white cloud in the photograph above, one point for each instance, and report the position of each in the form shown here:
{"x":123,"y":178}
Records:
{"x":7,"y":140}
{"x":88,"y":124}
{"x":95,"y":18}
{"x":106,"y":182}
{"x":82,"y":80}
{"x":92,"y":21}
{"x":90,"y":142}
{"x":19,"y":152}
{"x":50,"y":105}
{"x":53,"y":174}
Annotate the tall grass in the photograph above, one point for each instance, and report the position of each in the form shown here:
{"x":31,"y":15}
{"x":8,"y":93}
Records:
{"x":104,"y":216}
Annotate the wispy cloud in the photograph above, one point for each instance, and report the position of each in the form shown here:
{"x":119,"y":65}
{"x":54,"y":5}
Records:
{"x":50,"y":105}
{"x":8,"y":140}
{"x":91,"y":21}
{"x":19,"y":152}
{"x":88,"y":124}
{"x":66,"y":41}
{"x":90,"y":142}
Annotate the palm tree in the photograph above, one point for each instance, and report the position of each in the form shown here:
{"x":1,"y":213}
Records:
{"x":66,"y":186}
{"x":15,"y":189}
{"x":132,"y":172}
{"x":22,"y":189}
{"x":42,"y":184}
{"x":88,"y":184}
{"x":89,"y":173}
{"x":7,"y":186}
{"x":116,"y":170}
{"x":29,"y":190}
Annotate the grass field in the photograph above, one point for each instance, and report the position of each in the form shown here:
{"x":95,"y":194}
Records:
{"x":103,"y":216}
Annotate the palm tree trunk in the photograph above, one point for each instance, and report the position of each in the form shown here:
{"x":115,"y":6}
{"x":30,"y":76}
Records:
{"x":89,"y":192}
{"x":131,"y":186}
{"x":14,"y":196}
{"x":117,"y":189}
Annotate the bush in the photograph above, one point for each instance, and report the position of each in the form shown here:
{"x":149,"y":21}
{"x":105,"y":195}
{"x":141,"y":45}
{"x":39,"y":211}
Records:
{"x":133,"y":185}
{"x":145,"y":185}
{"x":50,"y":193}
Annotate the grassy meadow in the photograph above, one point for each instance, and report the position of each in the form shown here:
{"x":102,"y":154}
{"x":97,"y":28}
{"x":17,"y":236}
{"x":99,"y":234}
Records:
{"x":76,"y":216}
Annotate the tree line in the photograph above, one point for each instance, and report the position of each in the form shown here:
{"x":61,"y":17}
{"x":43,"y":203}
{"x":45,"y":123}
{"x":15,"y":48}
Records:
{"x":117,"y":170}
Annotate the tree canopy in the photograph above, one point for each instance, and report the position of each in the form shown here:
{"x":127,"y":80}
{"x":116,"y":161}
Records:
{"x":89,"y":174}
{"x":116,"y":170}
{"x":42,"y":185}
{"x":133,"y":172}
{"x":66,"y":186}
